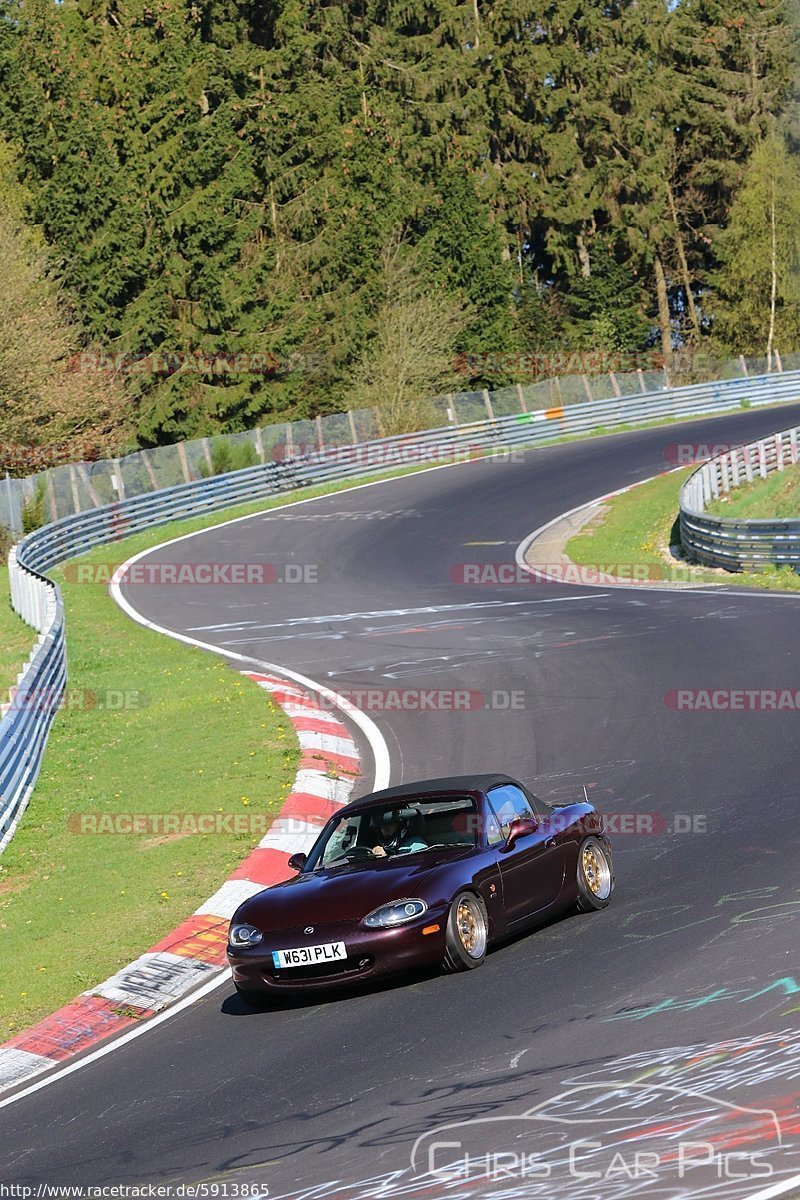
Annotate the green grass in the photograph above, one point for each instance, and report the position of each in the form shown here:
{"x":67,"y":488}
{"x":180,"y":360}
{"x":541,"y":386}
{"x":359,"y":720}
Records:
{"x":635,"y":532}
{"x":76,"y":907}
{"x":776,"y":496}
{"x":16,"y":638}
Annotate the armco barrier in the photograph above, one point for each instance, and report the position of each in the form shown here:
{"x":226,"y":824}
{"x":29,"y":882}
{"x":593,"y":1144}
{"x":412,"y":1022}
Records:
{"x":25,"y":726}
{"x":717,"y":541}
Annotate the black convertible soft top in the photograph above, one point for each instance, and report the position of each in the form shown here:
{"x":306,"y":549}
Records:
{"x":421,"y":787}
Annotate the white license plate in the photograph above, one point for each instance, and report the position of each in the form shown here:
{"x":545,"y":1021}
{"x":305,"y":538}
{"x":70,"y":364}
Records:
{"x":309,"y":956}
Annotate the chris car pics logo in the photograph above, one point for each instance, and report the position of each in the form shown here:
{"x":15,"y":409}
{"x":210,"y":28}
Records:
{"x":609,"y":1132}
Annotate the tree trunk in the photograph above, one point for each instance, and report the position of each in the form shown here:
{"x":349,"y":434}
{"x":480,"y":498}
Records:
{"x":476,"y":14}
{"x":663,"y":312}
{"x":774,"y":272}
{"x":583,"y":256}
{"x":693,"y":316}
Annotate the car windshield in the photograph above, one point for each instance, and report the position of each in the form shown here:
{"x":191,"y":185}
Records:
{"x":411,"y":827}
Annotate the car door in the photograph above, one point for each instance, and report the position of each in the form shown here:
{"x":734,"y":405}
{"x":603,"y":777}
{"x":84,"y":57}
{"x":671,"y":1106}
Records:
{"x":532,"y":871}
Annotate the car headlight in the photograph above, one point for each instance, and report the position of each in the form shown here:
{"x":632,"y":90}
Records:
{"x":244,"y":935}
{"x":396,"y":913}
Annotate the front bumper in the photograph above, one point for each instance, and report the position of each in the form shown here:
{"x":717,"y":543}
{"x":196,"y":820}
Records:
{"x":371,"y":954}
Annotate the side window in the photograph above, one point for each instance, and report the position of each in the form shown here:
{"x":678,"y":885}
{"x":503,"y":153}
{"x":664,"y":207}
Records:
{"x":494,"y":834}
{"x":508,"y":803}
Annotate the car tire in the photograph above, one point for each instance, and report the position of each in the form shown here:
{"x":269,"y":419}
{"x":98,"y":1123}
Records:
{"x":467,"y":935}
{"x":595,"y":874}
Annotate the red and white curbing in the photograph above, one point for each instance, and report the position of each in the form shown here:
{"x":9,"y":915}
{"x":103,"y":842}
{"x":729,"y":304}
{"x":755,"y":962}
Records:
{"x":329,"y":768}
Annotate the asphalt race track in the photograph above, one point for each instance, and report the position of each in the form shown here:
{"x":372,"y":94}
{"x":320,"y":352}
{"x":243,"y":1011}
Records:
{"x":658,"y":1041}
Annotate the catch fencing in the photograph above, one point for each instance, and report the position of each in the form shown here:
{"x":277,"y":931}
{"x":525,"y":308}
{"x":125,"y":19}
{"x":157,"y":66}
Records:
{"x":29,"y":716}
{"x":92,"y":483}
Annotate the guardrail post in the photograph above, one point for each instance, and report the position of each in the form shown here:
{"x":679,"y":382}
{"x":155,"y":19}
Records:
{"x":704,"y":475}
{"x":118,"y":476}
{"x":762,"y":460}
{"x":73,"y":483}
{"x":723,"y":466}
{"x":87,"y":483}
{"x":712,"y":479}
{"x":779,"y":451}
{"x":12,"y":524}
{"x":184,"y":463}
{"x":148,"y":467}
{"x":51,"y":497}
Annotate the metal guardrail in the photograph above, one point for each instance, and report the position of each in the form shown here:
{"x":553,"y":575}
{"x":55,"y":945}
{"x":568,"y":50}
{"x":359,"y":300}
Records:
{"x":34,"y":702}
{"x":77,"y":485}
{"x":739,"y":544}
{"x":27,"y":721}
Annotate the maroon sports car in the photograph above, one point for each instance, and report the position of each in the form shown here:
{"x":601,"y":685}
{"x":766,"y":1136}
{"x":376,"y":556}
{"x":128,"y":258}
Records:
{"x":423,"y":874}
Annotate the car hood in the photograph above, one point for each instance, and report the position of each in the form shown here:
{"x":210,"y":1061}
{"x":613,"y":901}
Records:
{"x":345,"y":893}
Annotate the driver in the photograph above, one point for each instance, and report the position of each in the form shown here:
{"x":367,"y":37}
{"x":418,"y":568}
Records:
{"x":395,"y":837}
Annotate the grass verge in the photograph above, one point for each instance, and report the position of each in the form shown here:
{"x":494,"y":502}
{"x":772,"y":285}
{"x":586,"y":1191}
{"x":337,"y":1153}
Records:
{"x":633,"y":534}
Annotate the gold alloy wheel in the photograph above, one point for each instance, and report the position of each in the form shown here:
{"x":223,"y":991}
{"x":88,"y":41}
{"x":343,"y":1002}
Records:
{"x":595,"y":871}
{"x":471,"y":928}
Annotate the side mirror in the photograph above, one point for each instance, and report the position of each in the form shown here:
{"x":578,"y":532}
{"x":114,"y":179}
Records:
{"x":521,"y":827}
{"x":297,"y":861}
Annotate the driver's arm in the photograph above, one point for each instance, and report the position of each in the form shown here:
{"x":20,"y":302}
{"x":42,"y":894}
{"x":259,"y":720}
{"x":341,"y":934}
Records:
{"x":414,"y":843}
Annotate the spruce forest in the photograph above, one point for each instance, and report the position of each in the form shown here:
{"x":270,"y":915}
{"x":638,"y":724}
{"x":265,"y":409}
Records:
{"x":366,"y":195}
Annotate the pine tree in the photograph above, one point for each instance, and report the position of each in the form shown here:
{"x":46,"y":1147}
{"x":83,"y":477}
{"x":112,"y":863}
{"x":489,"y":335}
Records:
{"x":44,"y":398}
{"x":462,"y":252}
{"x":605,"y":309}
